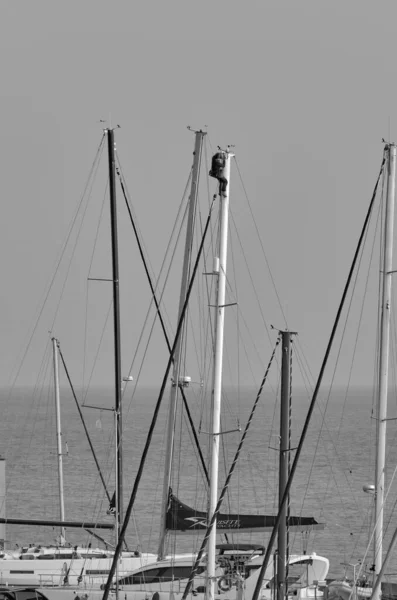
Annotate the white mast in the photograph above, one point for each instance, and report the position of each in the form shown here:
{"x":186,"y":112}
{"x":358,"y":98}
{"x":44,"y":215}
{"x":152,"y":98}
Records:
{"x":178,"y":350}
{"x":55,"y":346}
{"x":221,"y":172}
{"x":384,"y":358}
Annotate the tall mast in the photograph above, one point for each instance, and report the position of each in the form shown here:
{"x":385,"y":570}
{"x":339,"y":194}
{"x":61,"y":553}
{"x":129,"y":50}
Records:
{"x":387,"y":275}
{"x":283,"y":461}
{"x":55,"y":345}
{"x":116,"y":325}
{"x":178,"y":349}
{"x":221,"y":170}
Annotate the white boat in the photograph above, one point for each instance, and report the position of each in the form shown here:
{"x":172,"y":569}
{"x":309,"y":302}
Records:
{"x":168,"y":578}
{"x":232,"y":564}
{"x":42,"y":566}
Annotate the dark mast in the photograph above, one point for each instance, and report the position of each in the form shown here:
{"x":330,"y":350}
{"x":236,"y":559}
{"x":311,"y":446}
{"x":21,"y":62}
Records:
{"x":285,"y":425}
{"x":116,"y":322}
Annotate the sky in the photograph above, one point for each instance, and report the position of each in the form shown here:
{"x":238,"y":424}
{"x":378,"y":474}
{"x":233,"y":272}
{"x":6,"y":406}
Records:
{"x":305,"y":91}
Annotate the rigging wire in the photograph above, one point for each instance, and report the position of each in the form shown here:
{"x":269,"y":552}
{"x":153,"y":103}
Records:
{"x":229,"y":476}
{"x":241,"y":317}
{"x":89,"y":271}
{"x":150,"y":433}
{"x":338,"y":486}
{"x":58,"y":262}
{"x":72,"y":254}
{"x":157,"y":304}
{"x":344,"y":328}
{"x":356,"y":339}
{"x":80,"y":211}
{"x":238,"y":329}
{"x":84,"y":424}
{"x":250,"y":276}
{"x":139,"y":237}
{"x":31,"y":416}
{"x":331,"y":437}
{"x":104,"y":328}
{"x":261,"y":244}
{"x":316,"y":390}
{"x":151,"y":304}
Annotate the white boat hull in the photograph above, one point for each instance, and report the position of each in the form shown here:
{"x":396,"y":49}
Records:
{"x":314,"y":567}
{"x":41,"y":572}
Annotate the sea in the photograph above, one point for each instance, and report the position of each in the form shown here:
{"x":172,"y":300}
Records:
{"x":336,"y":462}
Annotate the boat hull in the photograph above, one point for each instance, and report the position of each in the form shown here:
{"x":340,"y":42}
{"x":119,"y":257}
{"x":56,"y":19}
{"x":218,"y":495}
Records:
{"x":41,"y":572}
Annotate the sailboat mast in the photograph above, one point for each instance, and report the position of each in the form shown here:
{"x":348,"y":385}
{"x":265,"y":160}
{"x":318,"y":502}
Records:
{"x":116,"y":325}
{"x":223,"y":174}
{"x":283,"y":461}
{"x":178,"y":349}
{"x":55,"y":345}
{"x":387,"y":275}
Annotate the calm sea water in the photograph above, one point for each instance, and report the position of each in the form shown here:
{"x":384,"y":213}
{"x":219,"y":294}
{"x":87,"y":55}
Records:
{"x":337,"y":461}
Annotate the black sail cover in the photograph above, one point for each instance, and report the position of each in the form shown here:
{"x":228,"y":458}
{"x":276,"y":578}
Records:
{"x":184,"y":519}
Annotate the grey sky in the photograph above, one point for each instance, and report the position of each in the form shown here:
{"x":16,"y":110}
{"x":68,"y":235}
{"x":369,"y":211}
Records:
{"x":304,"y":89}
